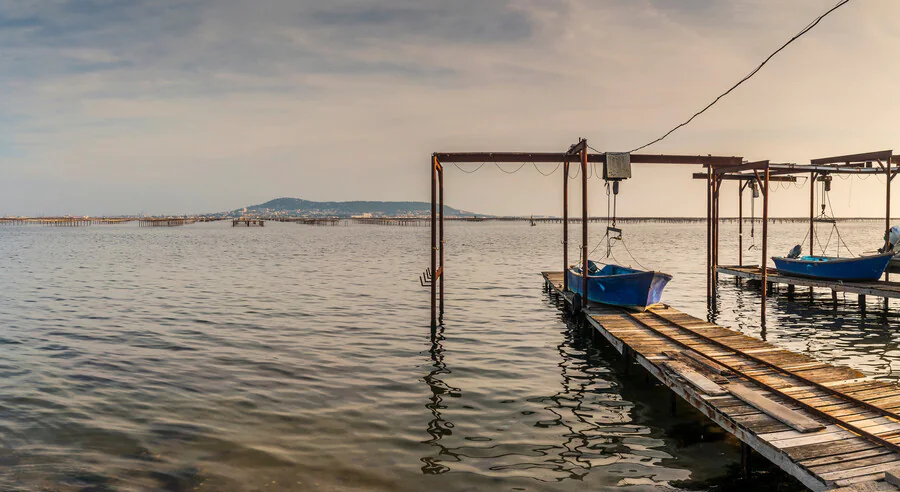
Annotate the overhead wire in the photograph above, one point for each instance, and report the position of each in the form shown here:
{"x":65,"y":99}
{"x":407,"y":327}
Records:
{"x":746,"y":77}
{"x":508,"y":172}
{"x":548,"y":174}
{"x":468,"y":172}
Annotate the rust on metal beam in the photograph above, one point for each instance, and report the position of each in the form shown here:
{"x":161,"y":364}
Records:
{"x":555,"y":157}
{"x":745,"y":177}
{"x":747,"y":166}
{"x":867,"y":156}
{"x":705,"y":160}
{"x":783,"y":169}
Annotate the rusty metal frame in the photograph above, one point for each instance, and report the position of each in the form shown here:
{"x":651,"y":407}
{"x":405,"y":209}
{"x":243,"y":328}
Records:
{"x":765,"y":172}
{"x":577,"y":153}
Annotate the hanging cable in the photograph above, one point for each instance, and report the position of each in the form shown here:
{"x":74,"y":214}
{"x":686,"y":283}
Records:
{"x":507,"y":172}
{"x":577,"y":170}
{"x":753,"y":196}
{"x":468,"y":172}
{"x":838,"y":231}
{"x":747,"y":77}
{"x":548,"y":174}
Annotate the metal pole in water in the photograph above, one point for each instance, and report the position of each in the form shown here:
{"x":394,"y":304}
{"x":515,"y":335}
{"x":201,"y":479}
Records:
{"x":765,"y":245}
{"x":433,"y":241}
{"x":584,"y":226}
{"x":565,"y":226}
{"x":440,"y":170}
{"x":740,"y":223}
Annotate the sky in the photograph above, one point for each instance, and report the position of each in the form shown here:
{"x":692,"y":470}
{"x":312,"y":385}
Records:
{"x":163,"y":106}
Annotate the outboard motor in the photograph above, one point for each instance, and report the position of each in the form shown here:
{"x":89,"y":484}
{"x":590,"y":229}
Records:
{"x":891,"y":241}
{"x":795,"y":252}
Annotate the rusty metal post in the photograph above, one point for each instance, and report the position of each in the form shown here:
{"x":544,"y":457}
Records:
{"x":887,"y":199}
{"x":765,"y":245}
{"x":812,"y":209}
{"x":887,"y":219}
{"x":741,"y":222}
{"x":565,"y":226}
{"x":715,"y":265}
{"x":584,"y":226}
{"x":433,"y":242}
{"x":440,"y":175}
{"x":708,"y":232}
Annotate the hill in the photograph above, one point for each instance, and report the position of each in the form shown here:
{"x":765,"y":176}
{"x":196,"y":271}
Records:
{"x":298,"y":207}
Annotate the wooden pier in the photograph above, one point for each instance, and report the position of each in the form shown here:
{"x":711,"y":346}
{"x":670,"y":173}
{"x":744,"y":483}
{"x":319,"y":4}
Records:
{"x":830,"y":427}
{"x":166,"y":221}
{"x":246,"y":222}
{"x":63,"y":221}
{"x":879,"y":288}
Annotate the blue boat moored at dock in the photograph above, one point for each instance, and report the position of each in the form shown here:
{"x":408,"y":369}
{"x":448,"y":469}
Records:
{"x":863,"y":268}
{"x":619,"y":286}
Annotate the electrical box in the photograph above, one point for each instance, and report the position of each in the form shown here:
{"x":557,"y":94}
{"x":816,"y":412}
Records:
{"x":617,"y":166}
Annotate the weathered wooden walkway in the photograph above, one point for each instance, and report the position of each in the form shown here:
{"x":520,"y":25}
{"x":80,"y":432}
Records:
{"x":880,"y":288}
{"x":830,"y":427}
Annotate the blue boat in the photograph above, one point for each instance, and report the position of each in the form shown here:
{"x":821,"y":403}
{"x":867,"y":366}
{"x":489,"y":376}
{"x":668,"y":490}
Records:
{"x":858,"y":269}
{"x":619,"y":286}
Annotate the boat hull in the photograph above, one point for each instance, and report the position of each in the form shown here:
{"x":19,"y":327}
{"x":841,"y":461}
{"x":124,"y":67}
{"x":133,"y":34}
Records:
{"x":637,"y":290}
{"x":863,"y":268}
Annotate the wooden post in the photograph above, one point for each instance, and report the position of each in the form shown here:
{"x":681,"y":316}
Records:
{"x":765,"y":243}
{"x":584,"y":226}
{"x":565,"y":222}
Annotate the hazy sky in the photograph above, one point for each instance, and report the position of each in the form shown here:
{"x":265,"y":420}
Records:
{"x":163,"y":106}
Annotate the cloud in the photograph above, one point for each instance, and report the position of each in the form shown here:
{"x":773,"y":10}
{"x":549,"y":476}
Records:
{"x":243,"y":101}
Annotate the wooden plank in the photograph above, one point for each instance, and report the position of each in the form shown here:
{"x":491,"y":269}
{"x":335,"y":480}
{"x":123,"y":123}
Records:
{"x":867,"y":487}
{"x":847,"y":465}
{"x":821,"y":450}
{"x":695,"y":378}
{"x":892,"y":476}
{"x":861,"y":471}
{"x":798,"y":421}
{"x":704,"y":364}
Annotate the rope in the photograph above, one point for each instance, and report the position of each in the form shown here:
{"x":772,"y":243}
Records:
{"x":632,"y":256}
{"x":838,"y":231}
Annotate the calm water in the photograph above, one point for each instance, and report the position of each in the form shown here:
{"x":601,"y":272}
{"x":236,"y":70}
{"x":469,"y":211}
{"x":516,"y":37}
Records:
{"x":293,"y":357}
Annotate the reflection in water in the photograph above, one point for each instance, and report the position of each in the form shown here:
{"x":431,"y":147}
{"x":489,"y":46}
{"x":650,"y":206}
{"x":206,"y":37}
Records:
{"x":565,"y":436}
{"x":438,"y":428}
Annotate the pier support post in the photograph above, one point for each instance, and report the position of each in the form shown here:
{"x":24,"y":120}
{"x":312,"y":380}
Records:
{"x":834,"y":298}
{"x":745,"y":460}
{"x":862,"y":303}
